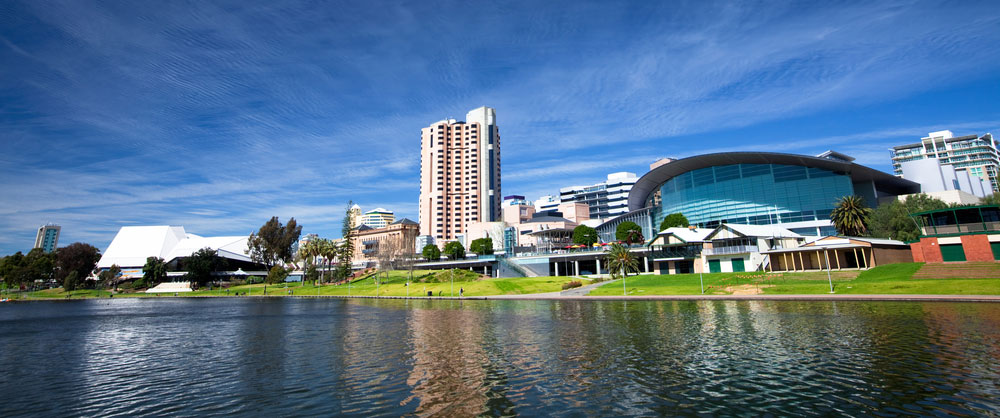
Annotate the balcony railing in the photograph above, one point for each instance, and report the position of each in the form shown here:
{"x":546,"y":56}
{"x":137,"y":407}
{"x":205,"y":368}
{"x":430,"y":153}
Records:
{"x":735,"y":249}
{"x":960,"y":228}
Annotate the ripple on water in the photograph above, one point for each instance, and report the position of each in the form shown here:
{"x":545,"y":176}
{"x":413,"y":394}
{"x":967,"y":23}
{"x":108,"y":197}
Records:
{"x":500,"y":358}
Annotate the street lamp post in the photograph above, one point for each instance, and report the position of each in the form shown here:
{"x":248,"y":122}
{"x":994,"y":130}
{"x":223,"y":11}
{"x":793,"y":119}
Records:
{"x":701,"y":278}
{"x":828,"y":276}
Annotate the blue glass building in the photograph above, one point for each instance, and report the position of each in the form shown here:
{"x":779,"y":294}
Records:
{"x":795,"y":191}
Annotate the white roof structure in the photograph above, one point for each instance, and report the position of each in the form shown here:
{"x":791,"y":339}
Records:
{"x":133,"y":244}
{"x":767,"y":231}
{"x":688,"y":234}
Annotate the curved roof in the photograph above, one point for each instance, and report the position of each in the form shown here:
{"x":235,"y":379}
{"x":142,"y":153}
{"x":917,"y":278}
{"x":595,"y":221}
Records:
{"x":657,"y":176}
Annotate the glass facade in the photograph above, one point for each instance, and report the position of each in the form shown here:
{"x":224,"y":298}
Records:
{"x":756,"y":194}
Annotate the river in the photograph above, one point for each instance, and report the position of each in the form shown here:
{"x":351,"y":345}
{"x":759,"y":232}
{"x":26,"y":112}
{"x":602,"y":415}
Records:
{"x":282,"y":357}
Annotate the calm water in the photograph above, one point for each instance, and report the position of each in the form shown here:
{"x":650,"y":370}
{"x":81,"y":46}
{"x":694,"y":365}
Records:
{"x":450,"y":358}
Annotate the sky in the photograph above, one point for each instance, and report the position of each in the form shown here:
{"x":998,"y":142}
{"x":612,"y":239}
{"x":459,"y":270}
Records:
{"x":217,"y":115}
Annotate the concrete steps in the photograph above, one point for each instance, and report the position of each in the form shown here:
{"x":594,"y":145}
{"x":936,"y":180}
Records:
{"x":968,"y":270}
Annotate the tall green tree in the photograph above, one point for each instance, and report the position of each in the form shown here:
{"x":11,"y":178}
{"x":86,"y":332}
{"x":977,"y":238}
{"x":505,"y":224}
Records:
{"x":454,"y":250}
{"x":79,"y":257}
{"x":108,"y":278}
{"x":892,"y":219}
{"x":585,"y":235}
{"x":431,"y":252}
{"x":674,"y":220}
{"x":345,"y":251}
{"x":154,"y":271}
{"x":274,"y":243}
{"x":630,"y":232}
{"x":850,"y":216}
{"x":201,"y":264}
{"x":482,"y":246}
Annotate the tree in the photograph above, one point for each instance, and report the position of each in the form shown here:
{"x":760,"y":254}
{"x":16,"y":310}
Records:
{"x":345,"y":253}
{"x":850,"y":216}
{"x":993,"y":199}
{"x":454,"y":250}
{"x":274,"y":243}
{"x":154,"y":272}
{"x":482,"y":246}
{"x":620,"y":261}
{"x":431,"y":252}
{"x":201,"y":264}
{"x":328,"y":250}
{"x":630,"y":232}
{"x":71,"y":282}
{"x":108,"y":278}
{"x":892,"y":219}
{"x":277,"y":274}
{"x":585,"y":235}
{"x":79,"y":257}
{"x":674,"y":220}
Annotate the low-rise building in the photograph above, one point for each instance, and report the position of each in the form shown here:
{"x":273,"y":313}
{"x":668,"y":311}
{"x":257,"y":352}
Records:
{"x":839,"y":253}
{"x":970,"y":233}
{"x":395,"y":240}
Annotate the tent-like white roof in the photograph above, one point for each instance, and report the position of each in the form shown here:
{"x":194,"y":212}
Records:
{"x":687,"y":234}
{"x":133,"y":244}
{"x":768,"y":231}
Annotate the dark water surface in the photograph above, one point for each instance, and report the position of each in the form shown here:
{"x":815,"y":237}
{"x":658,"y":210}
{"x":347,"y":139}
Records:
{"x":451,"y":358}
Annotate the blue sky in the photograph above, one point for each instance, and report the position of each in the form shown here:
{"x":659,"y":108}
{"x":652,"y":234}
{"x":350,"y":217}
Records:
{"x":218,"y":115}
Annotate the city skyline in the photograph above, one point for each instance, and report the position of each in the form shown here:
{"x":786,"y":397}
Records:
{"x":219,"y":116}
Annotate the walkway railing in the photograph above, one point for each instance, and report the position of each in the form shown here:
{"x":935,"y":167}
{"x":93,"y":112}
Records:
{"x":735,"y":249}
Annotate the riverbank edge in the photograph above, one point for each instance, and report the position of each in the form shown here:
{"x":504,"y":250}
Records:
{"x":813,"y":297}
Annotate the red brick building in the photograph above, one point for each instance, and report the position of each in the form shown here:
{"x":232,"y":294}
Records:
{"x":970,"y":233}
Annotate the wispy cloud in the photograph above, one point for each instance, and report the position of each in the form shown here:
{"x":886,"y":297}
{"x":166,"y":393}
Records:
{"x":218,"y":115}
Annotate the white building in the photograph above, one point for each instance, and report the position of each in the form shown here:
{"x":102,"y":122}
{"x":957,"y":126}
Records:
{"x":48,"y":237}
{"x":607,"y":199}
{"x":973,"y":154}
{"x":133,"y":244}
{"x":547,"y":202}
{"x":935,"y":178}
{"x":378,"y":218}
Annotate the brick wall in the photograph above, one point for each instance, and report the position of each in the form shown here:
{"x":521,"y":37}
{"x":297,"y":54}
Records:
{"x":930,"y":249}
{"x":977,"y":247}
{"x":917,"y":251}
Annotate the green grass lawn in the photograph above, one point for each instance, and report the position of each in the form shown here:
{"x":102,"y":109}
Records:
{"x":438,"y":282}
{"x":888,"y":279}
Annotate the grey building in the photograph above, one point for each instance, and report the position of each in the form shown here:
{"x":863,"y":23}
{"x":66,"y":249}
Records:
{"x":48,"y":237}
{"x":606,"y":199}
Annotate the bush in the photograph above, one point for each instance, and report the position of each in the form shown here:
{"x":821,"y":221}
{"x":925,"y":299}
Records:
{"x":277,"y":274}
{"x":571,"y":285}
{"x":71,"y":282}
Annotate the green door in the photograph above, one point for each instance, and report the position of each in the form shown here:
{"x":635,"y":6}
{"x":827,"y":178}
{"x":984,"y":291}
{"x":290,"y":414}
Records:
{"x":996,"y":250}
{"x":714,"y":266}
{"x":952,"y":252}
{"x":738,"y":265}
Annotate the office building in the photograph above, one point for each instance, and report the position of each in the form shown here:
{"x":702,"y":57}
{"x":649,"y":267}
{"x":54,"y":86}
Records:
{"x":48,"y":237}
{"x":975,"y":155}
{"x":607,"y":199}
{"x":459,"y":174}
{"x":936,"y":178}
{"x":378,"y":218}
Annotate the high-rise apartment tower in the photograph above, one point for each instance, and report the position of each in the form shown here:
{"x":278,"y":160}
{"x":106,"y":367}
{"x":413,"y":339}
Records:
{"x":48,"y":237}
{"x":976,"y":154}
{"x":459,"y":174}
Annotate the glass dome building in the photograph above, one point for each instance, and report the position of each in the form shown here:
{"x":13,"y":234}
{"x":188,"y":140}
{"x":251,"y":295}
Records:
{"x":797,"y":192}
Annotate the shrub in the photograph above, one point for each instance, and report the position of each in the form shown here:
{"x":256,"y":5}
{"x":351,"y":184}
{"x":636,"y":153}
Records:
{"x":572,"y":284}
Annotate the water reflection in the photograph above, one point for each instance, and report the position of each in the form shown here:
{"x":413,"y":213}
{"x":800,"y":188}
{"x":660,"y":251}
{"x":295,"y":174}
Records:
{"x":446,"y":358}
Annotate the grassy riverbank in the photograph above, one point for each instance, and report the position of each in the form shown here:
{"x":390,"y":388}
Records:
{"x":423,"y":281}
{"x":888,"y":279}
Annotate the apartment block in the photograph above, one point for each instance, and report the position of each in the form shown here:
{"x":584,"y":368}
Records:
{"x":48,"y":237}
{"x":459,"y":174}
{"x":975,"y":155}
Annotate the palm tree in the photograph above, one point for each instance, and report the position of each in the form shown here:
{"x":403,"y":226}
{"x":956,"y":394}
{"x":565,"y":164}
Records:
{"x":620,"y":259}
{"x":850,"y":216}
{"x":328,"y":250}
